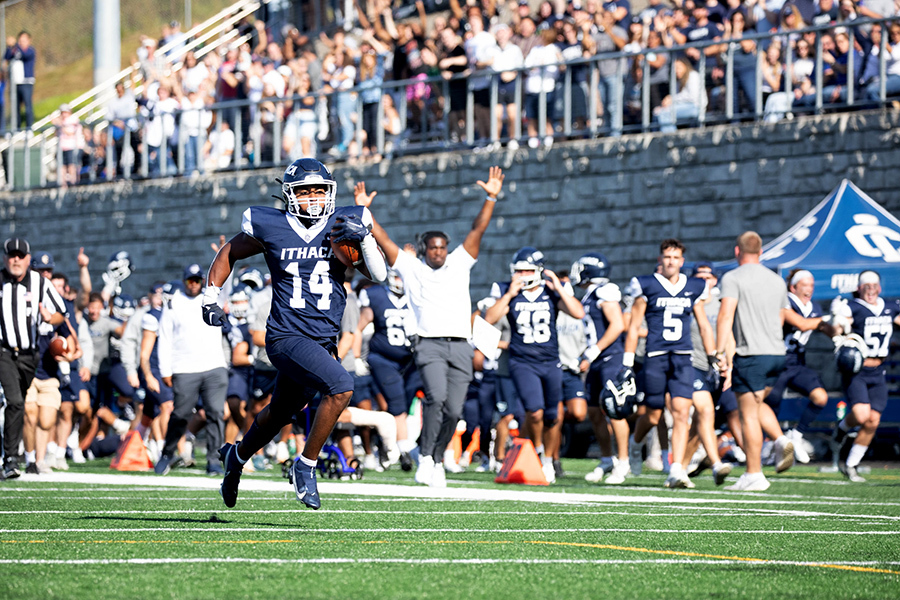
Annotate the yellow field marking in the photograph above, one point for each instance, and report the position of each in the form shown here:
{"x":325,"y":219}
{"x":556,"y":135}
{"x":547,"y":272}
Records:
{"x":855,"y":568}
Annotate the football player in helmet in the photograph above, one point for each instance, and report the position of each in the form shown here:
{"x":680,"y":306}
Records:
{"x":602,"y":359}
{"x":797,"y":376}
{"x":668,"y":299}
{"x":531,"y":304}
{"x":873,"y":319}
{"x":308,"y":299}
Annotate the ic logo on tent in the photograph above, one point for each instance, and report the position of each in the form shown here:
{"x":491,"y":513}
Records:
{"x":871,"y":239}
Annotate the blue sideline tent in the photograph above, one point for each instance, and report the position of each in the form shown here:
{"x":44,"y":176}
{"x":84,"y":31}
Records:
{"x":846,"y":233}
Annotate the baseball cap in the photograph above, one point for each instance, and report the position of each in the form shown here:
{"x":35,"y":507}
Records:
{"x":702,"y":264}
{"x":65,"y":108}
{"x":42,"y":261}
{"x":193,"y":272}
{"x":284,"y":70}
{"x":16,"y":245}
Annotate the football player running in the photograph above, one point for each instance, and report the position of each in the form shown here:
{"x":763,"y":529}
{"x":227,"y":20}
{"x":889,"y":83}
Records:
{"x":668,"y":299}
{"x":531,"y":304}
{"x":864,"y":386}
{"x":307,"y":306}
{"x":604,"y":326}
{"x":796,"y":375}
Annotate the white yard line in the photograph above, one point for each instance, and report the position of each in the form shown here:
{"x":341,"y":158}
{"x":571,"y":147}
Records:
{"x":433,"y":561}
{"x":287,"y":529}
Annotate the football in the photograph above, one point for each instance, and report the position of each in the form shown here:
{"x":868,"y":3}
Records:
{"x":348,"y":252}
{"x":58,"y":346}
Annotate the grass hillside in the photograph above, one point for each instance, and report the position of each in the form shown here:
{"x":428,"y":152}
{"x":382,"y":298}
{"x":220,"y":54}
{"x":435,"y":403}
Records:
{"x":62,"y":32}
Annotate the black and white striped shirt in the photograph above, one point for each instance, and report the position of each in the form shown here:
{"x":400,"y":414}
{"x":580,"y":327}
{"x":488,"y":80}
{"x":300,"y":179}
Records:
{"x":19,"y":312}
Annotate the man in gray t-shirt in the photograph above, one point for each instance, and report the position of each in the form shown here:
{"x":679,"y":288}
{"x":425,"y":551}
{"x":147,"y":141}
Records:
{"x":751,"y":308}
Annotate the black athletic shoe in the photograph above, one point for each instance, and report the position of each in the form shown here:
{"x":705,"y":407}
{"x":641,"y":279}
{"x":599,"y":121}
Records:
{"x":32,"y":469}
{"x":233,"y":469}
{"x":557,"y":468}
{"x":406,"y":462}
{"x":11,"y":471}
{"x":163,"y":465}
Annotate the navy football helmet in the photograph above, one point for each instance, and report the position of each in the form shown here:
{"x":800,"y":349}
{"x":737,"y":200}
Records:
{"x":308,"y":172}
{"x":239,"y":301}
{"x":528,"y":259}
{"x":252,"y":278}
{"x":120,"y":265}
{"x":592,"y":267}
{"x":619,"y":397}
{"x":850,"y":355}
{"x":123,"y":307}
{"x":395,"y":282}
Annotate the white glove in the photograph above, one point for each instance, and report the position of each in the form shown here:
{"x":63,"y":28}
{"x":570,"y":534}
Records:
{"x":360,"y":367}
{"x":842,"y":324}
{"x":839,"y":306}
{"x":111,"y":284}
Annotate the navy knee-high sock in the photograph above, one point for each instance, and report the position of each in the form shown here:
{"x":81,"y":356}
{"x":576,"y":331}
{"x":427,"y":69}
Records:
{"x":810,"y":414}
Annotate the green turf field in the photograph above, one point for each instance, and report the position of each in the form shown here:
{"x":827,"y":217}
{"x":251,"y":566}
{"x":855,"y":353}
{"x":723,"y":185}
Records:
{"x":138,"y":536}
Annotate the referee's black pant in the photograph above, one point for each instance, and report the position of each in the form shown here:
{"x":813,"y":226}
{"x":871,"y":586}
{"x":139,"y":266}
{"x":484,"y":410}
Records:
{"x":16,"y":374}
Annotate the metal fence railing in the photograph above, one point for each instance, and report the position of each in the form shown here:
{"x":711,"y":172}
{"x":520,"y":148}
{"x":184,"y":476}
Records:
{"x":607,"y":94}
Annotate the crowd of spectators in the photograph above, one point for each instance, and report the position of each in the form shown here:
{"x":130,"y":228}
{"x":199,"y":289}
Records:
{"x":312,"y":95}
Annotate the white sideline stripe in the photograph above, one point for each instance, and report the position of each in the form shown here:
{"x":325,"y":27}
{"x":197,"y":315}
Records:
{"x":434,"y":561}
{"x":418,"y":513}
{"x":408,"y":491}
{"x":287,"y":529}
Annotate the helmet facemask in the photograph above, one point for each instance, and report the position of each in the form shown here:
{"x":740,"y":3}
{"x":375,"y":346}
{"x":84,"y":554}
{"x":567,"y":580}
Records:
{"x":531,"y":280}
{"x":395,"y":283}
{"x":318,"y":207}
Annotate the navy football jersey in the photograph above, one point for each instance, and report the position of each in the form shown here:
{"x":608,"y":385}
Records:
{"x":308,"y":295}
{"x":669,"y":311}
{"x":532,"y":318}
{"x":875,"y":324}
{"x":595,"y":322}
{"x":795,"y":340}
{"x":392,"y":318}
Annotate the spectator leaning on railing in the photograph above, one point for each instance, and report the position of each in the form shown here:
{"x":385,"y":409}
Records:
{"x":21,"y":56}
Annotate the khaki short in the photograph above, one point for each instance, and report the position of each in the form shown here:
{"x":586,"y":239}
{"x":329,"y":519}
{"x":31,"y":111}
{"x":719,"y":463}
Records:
{"x":45,"y":392}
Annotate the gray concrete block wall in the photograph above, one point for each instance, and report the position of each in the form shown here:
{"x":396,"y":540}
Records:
{"x":618,"y":196}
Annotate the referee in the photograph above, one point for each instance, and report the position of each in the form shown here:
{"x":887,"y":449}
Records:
{"x":26,"y":300}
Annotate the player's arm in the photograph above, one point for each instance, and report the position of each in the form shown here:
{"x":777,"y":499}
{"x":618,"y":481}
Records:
{"x":148,"y":339}
{"x":631,"y":337}
{"x":707,"y":335}
{"x":568,"y":303}
{"x":387,"y":245}
{"x":791,"y":317}
{"x":472,"y":243}
{"x":613,"y":313}
{"x":366,"y":316}
{"x":724,"y":323}
{"x":237,"y":248}
{"x":500,"y":308}
{"x":240,"y":355}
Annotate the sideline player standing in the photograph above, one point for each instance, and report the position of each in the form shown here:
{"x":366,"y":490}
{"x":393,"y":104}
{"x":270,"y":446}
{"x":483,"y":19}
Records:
{"x":669,"y":298}
{"x":308,"y":299}
{"x":531,"y":305}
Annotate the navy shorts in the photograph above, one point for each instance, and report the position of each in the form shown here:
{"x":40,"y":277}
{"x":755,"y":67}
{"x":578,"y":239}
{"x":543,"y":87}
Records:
{"x":503,"y":391}
{"x":263,"y":383}
{"x":572,"y":385}
{"x":397,"y":382}
{"x":869,"y":386}
{"x":602,"y":370}
{"x":798,"y":378}
{"x":539,"y":385}
{"x":672,"y":373}
{"x":506,"y":93}
{"x":533,"y":107}
{"x":700,"y":382}
{"x":726,"y":401}
{"x":152,"y":401}
{"x":104,"y":387}
{"x":240,"y":382}
{"x":305,"y":367}
{"x":71,"y":392}
{"x":363,"y":389}
{"x":755,"y":373}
